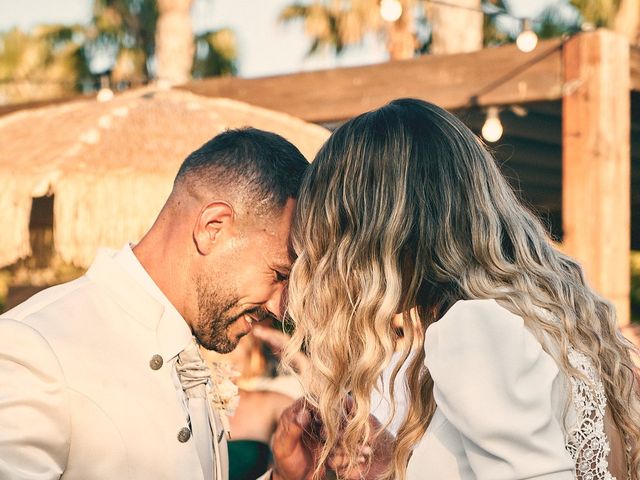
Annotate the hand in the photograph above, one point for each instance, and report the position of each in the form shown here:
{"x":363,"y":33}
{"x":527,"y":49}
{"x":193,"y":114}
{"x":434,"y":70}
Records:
{"x":380,"y":453}
{"x":297,"y":443}
{"x":277,"y":340}
{"x":294,"y":447}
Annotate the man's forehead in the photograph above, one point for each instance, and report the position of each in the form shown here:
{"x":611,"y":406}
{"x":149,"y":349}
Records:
{"x":275,"y":247}
{"x":277,"y":228}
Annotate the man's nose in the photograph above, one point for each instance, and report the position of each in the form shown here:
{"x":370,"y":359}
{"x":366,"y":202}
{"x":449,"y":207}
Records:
{"x":277,"y":303}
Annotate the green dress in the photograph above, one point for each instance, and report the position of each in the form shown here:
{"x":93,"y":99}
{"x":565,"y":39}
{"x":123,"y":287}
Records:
{"x":248,"y":459}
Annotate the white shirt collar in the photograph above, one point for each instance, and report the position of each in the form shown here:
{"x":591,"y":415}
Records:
{"x":177,"y":331}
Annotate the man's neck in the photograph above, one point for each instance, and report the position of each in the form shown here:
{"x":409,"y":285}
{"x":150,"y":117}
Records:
{"x":160,"y":264}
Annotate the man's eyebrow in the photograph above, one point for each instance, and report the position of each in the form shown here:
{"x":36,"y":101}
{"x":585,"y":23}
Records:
{"x":281,"y":267}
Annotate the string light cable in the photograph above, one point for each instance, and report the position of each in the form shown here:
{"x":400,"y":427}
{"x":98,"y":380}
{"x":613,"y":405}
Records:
{"x":526,"y":41}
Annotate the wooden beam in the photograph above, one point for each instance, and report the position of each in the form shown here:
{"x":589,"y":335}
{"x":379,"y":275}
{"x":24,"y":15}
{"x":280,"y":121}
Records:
{"x":501,"y":75}
{"x":634,"y":61}
{"x":596,"y":163}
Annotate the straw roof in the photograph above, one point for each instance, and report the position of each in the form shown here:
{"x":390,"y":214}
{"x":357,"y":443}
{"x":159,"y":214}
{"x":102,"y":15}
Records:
{"x":110,"y":165}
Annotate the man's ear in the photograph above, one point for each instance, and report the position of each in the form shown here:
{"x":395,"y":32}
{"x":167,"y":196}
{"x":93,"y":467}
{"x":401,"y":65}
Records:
{"x":214,"y":220}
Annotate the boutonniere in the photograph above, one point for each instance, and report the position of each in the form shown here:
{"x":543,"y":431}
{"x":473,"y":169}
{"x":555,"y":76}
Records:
{"x":224,"y":392}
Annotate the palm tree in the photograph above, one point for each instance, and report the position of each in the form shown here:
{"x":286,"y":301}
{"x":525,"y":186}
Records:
{"x":153,"y":39}
{"x":45,"y":63}
{"x":330,"y":24}
{"x":601,"y":13}
{"x":623,"y":16}
{"x":453,"y":25}
{"x":122,"y":39}
{"x":140,"y":40}
{"x":130,"y":41}
{"x":215,"y":54}
{"x":456,"y":26}
{"x":174,"y":41}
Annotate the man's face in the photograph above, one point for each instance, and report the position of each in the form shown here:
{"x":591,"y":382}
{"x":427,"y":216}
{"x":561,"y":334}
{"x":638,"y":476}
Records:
{"x":245,"y":285}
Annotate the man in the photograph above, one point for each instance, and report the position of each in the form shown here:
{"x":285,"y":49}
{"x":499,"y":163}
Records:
{"x":91,"y":371}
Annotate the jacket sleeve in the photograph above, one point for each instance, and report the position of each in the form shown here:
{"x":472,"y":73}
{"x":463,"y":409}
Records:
{"x":493,"y":382}
{"x":34,"y":410}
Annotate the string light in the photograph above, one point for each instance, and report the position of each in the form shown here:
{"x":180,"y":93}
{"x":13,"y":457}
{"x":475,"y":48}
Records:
{"x":492,"y":129}
{"x":105,"y":94}
{"x":390,"y":10}
{"x":527,"y":39}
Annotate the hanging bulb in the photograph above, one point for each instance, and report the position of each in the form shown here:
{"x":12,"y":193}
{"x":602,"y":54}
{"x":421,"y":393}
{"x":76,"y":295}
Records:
{"x":527,"y":40}
{"x":105,"y":94}
{"x":390,"y":10}
{"x":492,"y":128}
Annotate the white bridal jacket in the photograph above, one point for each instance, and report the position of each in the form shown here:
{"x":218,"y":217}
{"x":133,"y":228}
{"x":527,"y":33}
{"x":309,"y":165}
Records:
{"x":501,"y":402}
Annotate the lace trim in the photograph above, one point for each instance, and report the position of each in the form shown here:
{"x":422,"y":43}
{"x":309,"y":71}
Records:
{"x":587,"y":441}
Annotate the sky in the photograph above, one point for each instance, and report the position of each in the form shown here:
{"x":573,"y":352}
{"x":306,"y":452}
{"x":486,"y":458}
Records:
{"x":266,"y":47}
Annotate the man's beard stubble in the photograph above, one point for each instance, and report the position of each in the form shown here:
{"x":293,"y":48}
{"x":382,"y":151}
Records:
{"x":213,"y":317}
{"x":216,"y":314}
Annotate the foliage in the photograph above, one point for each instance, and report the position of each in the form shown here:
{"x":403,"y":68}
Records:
{"x":600,"y":13}
{"x":125,"y":31}
{"x":492,"y":34}
{"x":121,"y":38}
{"x":330,"y":24}
{"x":550,"y":24}
{"x":46,"y":62}
{"x":119,"y":41}
{"x":216,"y":53}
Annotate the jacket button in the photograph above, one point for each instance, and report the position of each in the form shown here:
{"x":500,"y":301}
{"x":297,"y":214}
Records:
{"x":156,"y":362}
{"x":184,"y":434}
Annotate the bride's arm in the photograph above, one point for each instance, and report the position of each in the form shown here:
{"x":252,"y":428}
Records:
{"x":493,"y":382}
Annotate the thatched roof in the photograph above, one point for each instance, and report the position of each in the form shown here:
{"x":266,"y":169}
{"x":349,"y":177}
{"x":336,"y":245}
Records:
{"x":110,"y":165}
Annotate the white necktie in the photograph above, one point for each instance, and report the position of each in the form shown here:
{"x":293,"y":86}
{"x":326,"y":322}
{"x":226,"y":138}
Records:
{"x":194,"y":376}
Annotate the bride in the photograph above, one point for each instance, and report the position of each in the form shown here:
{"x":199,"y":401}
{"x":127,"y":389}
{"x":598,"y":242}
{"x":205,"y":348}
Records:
{"x":513,"y":365}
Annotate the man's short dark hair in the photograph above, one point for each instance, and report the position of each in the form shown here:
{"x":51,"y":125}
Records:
{"x":262,"y":167}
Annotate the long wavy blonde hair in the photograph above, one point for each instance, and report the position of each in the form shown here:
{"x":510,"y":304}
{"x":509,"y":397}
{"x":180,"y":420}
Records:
{"x":403,"y":210}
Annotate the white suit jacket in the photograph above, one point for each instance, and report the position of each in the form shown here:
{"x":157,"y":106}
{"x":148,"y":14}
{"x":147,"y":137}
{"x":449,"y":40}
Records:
{"x":79,"y":398}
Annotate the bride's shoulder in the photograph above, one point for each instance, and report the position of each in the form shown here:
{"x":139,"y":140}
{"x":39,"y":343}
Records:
{"x":478,"y":305}
{"x":478,"y":318}
{"x":482,"y":335}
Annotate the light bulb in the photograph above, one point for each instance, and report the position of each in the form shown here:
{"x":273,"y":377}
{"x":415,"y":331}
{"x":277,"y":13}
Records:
{"x":104,"y":95}
{"x":390,"y":10}
{"x":492,"y":128}
{"x":527,"y":40}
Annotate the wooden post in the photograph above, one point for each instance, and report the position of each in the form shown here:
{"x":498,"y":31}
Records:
{"x":596,"y":161}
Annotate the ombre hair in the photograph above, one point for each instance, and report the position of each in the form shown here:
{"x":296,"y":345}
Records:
{"x":404,"y":210}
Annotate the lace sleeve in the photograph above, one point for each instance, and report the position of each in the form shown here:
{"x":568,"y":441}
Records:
{"x":587,"y":441}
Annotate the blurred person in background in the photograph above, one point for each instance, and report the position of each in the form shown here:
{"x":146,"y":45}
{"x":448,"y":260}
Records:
{"x":262,"y":397}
